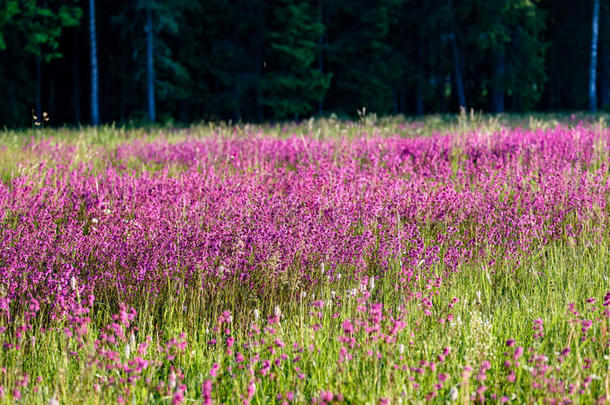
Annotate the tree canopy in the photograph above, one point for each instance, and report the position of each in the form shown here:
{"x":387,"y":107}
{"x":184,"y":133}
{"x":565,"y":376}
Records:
{"x":266,"y":60}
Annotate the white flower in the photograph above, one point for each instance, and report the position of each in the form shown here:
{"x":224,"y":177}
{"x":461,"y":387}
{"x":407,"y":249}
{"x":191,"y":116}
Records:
{"x":277,"y":311}
{"x":53,"y":401}
{"x":338,"y":276}
{"x":73,"y":283}
{"x":94,"y":220}
{"x":132,"y":340}
{"x":256,"y":314}
{"x":372,"y":283}
{"x":303,"y":295}
{"x":127,"y":350}
{"x":172,"y":380}
{"x":453,"y":394}
{"x":333,"y":294}
{"x":322,"y":267}
{"x":401,"y":348}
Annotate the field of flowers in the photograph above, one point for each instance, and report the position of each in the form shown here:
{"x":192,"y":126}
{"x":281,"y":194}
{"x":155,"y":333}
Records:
{"x":323,"y":263}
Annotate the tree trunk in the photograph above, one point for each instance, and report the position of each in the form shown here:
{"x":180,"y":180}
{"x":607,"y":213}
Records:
{"x":236,"y":104}
{"x":12,"y":97}
{"x":419,"y":97}
{"x":497,"y":93}
{"x":402,"y":100}
{"x":457,"y":63}
{"x":76,"y":82}
{"x":260,"y":113}
{"x":457,"y":69}
{"x":605,"y":86}
{"x":95,"y":117}
{"x":185,"y":108}
{"x":593,"y":67}
{"x":150,"y":65}
{"x":320,"y":56}
{"x":123,"y":89}
{"x":419,"y":84}
{"x":51,"y":99}
{"x":38,"y":109}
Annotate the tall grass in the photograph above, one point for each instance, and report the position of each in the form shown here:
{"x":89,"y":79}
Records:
{"x":327,"y":262}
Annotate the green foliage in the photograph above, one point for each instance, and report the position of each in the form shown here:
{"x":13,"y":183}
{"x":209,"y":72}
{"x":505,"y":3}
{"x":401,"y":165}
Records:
{"x":258,"y":60}
{"x":513,"y":30}
{"x":292,"y":84}
{"x":41,"y":26}
{"x":29,"y":30}
{"x":171,"y":78}
{"x":362,"y":53}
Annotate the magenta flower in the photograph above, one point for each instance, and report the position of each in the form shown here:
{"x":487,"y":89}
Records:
{"x":214,"y":370}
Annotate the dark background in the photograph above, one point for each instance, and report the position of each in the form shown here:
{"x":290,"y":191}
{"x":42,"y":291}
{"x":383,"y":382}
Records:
{"x":256,"y":61}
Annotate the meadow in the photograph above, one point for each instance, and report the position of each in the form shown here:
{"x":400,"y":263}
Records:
{"x":384,"y":261}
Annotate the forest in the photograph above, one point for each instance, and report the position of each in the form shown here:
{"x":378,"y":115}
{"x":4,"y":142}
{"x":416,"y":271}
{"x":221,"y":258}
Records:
{"x":181,"y":61}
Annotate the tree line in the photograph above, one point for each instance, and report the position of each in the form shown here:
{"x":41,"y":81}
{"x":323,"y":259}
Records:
{"x":91,"y":62}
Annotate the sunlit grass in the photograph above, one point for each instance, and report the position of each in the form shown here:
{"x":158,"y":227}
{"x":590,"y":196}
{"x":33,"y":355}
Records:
{"x":380,"y":331}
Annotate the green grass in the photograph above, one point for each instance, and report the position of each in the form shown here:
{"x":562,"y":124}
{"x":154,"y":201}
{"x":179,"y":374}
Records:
{"x":494,"y":304}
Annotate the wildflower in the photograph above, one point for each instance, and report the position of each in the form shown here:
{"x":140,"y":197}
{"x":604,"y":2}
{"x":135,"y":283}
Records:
{"x":453,"y":394}
{"x":178,"y":397}
{"x":172,"y":380}
{"x":206,"y":392}
{"x":251,"y":389}
{"x":230,"y":341}
{"x":539,"y":328}
{"x":4,"y":303}
{"x":214,"y":370}
{"x":518,"y":353}
{"x":34,"y":306}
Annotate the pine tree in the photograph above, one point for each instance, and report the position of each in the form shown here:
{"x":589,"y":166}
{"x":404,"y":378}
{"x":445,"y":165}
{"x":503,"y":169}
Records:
{"x":293,"y":85}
